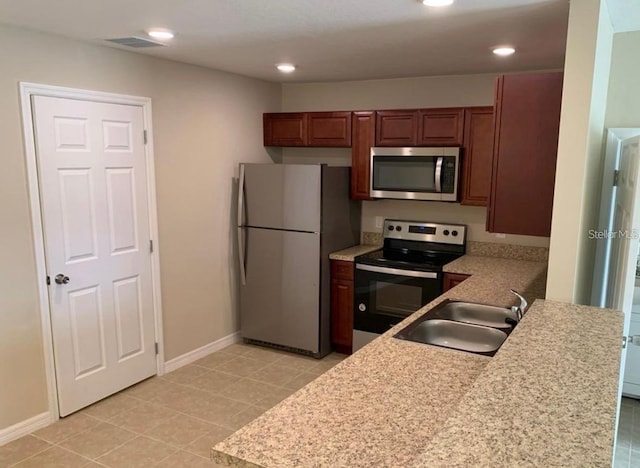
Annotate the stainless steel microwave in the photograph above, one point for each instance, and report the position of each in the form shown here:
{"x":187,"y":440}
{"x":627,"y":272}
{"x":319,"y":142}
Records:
{"x":415,"y":173}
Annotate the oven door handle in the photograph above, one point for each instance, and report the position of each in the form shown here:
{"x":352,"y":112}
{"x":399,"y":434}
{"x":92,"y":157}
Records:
{"x":397,"y":271}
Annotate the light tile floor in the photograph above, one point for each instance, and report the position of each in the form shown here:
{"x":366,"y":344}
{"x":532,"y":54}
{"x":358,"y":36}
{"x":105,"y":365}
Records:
{"x":628,"y":448}
{"x":171,"y":421}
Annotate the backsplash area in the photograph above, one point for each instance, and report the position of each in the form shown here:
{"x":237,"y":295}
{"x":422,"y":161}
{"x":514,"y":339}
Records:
{"x":474,"y":217}
{"x":483,"y":249}
{"x":479,"y":241}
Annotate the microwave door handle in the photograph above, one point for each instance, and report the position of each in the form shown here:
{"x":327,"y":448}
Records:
{"x":438,"y":174}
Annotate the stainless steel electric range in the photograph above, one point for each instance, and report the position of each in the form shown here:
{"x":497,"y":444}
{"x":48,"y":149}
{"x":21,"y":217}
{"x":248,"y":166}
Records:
{"x":395,"y":281}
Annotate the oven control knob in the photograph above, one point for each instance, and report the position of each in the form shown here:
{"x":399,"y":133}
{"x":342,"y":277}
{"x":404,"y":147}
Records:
{"x":446,"y":232}
{"x":398,"y":228}
{"x":362,"y":307}
{"x":454,"y":233}
{"x":390,"y":228}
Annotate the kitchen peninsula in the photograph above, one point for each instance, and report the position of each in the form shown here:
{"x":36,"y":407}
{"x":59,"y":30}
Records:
{"x":547,"y":398}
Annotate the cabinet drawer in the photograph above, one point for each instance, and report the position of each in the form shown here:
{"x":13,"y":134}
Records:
{"x":341,"y":269}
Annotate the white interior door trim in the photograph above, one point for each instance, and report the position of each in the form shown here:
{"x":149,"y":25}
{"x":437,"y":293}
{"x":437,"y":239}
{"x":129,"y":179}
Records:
{"x":605,"y":221}
{"x":27,"y":90}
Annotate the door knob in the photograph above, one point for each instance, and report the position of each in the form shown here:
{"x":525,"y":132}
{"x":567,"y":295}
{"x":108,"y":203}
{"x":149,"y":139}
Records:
{"x":61,"y":279}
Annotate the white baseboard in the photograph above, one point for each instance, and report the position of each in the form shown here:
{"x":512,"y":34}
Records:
{"x":201,"y":352}
{"x":25,"y":427}
{"x":629,"y":389}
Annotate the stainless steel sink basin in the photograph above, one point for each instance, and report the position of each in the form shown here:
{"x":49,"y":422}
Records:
{"x":478,"y":314}
{"x":457,"y":335}
{"x":467,"y":326}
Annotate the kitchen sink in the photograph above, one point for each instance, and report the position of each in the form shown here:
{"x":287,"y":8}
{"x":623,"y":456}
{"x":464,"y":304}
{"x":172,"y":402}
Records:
{"x":466,"y":326}
{"x":457,"y":335}
{"x":477,"y":314}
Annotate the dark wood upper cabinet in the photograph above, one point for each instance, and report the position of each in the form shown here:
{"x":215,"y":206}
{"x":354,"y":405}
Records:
{"x":329,"y":129}
{"x":477,"y":156}
{"x":397,"y":128}
{"x":285,"y":129}
{"x":527,"y":124}
{"x":440,"y":127}
{"x":363,"y":128}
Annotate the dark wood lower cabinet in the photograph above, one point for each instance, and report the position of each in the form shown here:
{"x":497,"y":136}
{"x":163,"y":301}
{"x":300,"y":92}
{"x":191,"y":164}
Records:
{"x":452,"y":279}
{"x":342,"y":288}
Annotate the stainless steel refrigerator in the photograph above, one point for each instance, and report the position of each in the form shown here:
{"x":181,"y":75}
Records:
{"x":290,"y":217}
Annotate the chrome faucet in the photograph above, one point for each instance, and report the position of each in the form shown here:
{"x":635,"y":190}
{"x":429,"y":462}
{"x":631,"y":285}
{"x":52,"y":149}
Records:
{"x":519,"y":309}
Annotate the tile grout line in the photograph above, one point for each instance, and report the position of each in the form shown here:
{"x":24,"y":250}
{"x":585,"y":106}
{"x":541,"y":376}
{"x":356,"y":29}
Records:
{"x":296,"y":373}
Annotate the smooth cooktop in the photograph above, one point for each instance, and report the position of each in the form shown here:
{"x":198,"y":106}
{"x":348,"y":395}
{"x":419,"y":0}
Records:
{"x":413,"y":260}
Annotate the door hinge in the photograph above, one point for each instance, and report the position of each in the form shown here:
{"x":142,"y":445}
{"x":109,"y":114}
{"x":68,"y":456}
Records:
{"x":144,"y":136}
{"x":48,"y":280}
{"x":157,"y":349}
{"x":616,"y":177}
{"x":151,"y":245}
{"x":633,"y":339}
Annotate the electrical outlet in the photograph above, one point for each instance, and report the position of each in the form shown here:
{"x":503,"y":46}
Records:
{"x":379,"y":221}
{"x":501,"y":236}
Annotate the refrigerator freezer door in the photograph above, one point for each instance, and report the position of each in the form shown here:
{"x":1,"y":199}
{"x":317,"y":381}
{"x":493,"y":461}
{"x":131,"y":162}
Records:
{"x":282,"y":196}
{"x":280,"y":301}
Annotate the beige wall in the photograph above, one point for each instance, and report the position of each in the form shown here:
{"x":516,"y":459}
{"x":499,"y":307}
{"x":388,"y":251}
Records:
{"x":623,"y":99}
{"x":205,"y":123}
{"x":579,"y":167}
{"x":436,"y":91}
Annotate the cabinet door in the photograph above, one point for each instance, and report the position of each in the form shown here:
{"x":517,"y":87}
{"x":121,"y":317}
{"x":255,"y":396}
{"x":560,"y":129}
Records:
{"x":342,"y":290}
{"x":329,"y":129}
{"x":440,"y":127}
{"x":524,"y":156}
{"x":451,"y":280}
{"x":285,"y":129}
{"x":476,"y":156}
{"x":397,"y":128}
{"x":342,"y":315}
{"x":362,"y":141}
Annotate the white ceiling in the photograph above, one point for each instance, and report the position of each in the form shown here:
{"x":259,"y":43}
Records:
{"x":328,"y":40}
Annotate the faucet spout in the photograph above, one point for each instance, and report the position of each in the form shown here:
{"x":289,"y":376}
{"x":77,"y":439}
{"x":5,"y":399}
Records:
{"x":520,"y":309}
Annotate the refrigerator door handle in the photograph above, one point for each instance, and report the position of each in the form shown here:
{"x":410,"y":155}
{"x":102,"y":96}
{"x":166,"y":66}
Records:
{"x":241,"y":196}
{"x":241,"y":246}
{"x":241,"y":259}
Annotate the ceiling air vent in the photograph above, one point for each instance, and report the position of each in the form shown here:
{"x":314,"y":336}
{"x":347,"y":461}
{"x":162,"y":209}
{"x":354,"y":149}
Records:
{"x":135,"y":41}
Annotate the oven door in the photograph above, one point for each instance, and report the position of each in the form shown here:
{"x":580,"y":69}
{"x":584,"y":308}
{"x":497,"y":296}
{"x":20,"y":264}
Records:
{"x":386,"y":296}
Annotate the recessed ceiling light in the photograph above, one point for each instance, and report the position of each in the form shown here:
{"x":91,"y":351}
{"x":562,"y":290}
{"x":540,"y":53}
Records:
{"x":162,"y":34}
{"x":437,"y":3}
{"x":503,"y":51}
{"x":286,"y":67}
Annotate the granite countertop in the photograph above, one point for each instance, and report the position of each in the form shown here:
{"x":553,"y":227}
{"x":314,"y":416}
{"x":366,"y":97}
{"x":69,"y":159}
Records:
{"x":347,"y":255}
{"x":547,"y":398}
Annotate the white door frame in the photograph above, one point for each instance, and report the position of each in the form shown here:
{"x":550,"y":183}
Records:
{"x":605,"y":222}
{"x":32,"y":89}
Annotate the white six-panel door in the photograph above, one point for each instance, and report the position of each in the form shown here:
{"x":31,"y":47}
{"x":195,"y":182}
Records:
{"x":93,"y":188}
{"x":624,"y":246}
